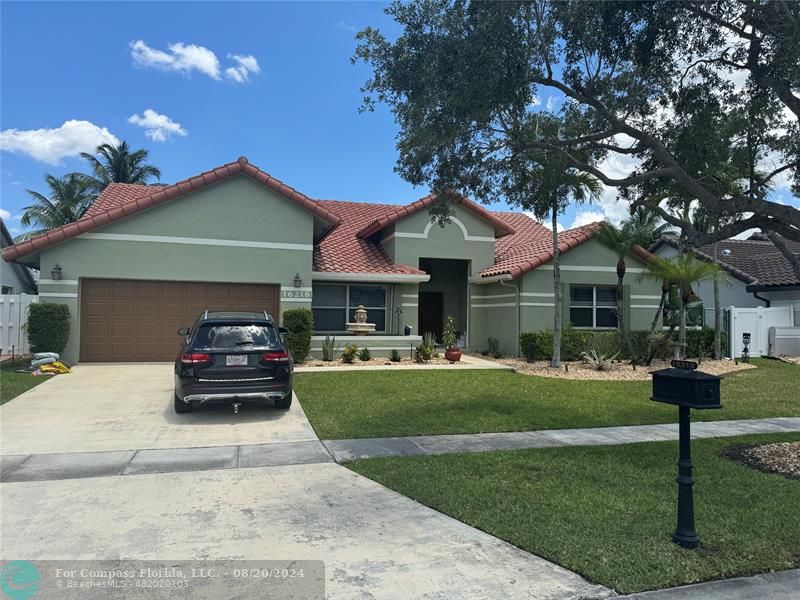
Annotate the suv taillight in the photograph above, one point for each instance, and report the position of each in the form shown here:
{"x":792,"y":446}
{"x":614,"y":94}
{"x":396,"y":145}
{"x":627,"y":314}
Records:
{"x":194,"y":358}
{"x":275,"y":356}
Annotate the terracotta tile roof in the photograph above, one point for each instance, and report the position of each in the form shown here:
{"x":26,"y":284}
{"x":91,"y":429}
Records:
{"x":533,"y":246}
{"x":117,"y":194}
{"x":523,"y":244}
{"x":381,"y":222}
{"x":755,"y":262}
{"x":341,"y":250}
{"x":117,"y":209}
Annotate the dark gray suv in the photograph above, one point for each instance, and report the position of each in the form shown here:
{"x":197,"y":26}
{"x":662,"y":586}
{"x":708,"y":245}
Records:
{"x":235,"y":357}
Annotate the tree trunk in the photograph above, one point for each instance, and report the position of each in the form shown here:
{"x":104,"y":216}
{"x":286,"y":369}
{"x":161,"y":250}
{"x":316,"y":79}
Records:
{"x":681,"y":348}
{"x":555,"y":360}
{"x":659,"y":318}
{"x":717,"y":322}
{"x":621,"y":325}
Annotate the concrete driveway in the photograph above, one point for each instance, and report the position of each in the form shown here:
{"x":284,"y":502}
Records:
{"x":375,"y":542}
{"x":95,"y":465}
{"x":129,"y":406}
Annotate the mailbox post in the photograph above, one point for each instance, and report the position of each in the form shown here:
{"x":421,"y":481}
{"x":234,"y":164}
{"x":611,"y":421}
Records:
{"x":687,"y":388}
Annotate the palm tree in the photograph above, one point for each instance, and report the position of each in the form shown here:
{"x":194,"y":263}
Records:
{"x":683,"y":271}
{"x":68,"y":199}
{"x":648,"y":225}
{"x":117,"y":164}
{"x":642,"y":228}
{"x":564,"y":183}
{"x":621,"y":240}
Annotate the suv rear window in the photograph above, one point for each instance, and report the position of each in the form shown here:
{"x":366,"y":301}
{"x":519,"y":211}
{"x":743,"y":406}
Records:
{"x":234,"y":335}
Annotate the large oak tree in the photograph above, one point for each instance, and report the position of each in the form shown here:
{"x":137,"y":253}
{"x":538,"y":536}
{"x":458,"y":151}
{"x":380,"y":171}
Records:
{"x":695,"y":93}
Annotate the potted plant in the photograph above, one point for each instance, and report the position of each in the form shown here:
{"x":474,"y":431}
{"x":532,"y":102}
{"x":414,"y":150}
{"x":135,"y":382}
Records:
{"x":451,"y":352}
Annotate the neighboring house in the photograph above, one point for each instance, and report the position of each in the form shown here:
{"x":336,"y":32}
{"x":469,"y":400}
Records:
{"x":14,"y":278}
{"x":145,"y":261}
{"x":759,"y":275}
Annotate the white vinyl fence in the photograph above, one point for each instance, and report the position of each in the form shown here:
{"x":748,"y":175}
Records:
{"x":756,"y":322}
{"x":13,"y":315}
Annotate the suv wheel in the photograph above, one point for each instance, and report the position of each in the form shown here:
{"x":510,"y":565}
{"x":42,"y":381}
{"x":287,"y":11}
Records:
{"x":181,"y":406}
{"x":284,"y":402}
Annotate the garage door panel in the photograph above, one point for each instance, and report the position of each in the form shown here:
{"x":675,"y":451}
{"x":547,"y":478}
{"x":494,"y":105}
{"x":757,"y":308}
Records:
{"x":128,"y":320}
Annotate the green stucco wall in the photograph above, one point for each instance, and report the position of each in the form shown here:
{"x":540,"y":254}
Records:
{"x":589,"y":264}
{"x":218,"y":217}
{"x":441,"y":242}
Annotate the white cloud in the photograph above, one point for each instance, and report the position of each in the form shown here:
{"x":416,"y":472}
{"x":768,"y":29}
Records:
{"x":53,"y":145}
{"x":245,"y":65}
{"x":186,"y":58}
{"x":183,"y":58}
{"x":4,"y":214}
{"x":158,"y":128}
{"x":585,"y":217}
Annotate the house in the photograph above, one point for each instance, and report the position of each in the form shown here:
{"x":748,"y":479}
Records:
{"x":14,"y":278}
{"x":759,"y":275}
{"x":145,"y":261}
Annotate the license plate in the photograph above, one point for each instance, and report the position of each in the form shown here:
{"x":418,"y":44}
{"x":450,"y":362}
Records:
{"x":236,"y":360}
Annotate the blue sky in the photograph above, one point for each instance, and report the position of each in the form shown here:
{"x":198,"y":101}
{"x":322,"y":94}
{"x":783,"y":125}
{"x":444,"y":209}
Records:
{"x":199,"y":84}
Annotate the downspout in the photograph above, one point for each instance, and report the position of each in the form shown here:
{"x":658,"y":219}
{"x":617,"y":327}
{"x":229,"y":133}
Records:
{"x":764,"y":300}
{"x":505,"y":283}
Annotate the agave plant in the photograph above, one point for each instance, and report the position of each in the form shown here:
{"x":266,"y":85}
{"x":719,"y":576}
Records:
{"x":598,"y":361}
{"x":329,"y":348}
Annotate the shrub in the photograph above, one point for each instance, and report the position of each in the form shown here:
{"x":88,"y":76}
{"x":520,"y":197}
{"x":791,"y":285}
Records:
{"x":494,"y":347}
{"x":538,"y":345}
{"x":298,"y":323}
{"x":600,"y":361}
{"x":349,"y":353}
{"x":702,"y":341}
{"x":48,"y":327}
{"x":364,"y":355}
{"x":424,"y":353}
{"x":394,"y":355}
{"x":329,"y":348}
{"x":449,"y":335}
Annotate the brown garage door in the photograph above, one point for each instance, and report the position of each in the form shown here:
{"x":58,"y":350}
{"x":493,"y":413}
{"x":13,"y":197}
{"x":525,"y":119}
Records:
{"x":130,"y":320}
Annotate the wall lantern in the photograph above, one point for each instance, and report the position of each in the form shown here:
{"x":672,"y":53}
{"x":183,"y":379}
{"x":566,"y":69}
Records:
{"x":55,"y":272}
{"x":298,"y":281}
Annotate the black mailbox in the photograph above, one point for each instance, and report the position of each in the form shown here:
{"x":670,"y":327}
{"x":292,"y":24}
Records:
{"x":682,"y":387}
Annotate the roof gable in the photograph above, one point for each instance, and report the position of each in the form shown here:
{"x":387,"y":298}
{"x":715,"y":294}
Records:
{"x":389,"y":218}
{"x":125,"y":201}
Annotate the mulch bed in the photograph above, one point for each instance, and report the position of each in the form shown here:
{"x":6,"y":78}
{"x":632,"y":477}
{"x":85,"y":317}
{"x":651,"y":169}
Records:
{"x":782,"y":458}
{"x":619,"y":371}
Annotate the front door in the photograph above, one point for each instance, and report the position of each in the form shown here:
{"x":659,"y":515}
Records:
{"x":431,"y":313}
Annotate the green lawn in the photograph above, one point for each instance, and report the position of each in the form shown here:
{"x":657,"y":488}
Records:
{"x":13,"y":384}
{"x":607,"y":512}
{"x":385,"y":403}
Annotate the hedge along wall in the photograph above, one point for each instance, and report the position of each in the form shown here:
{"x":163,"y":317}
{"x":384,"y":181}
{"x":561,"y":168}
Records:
{"x":298,"y":323}
{"x":538,"y":345}
{"x":48,"y":327}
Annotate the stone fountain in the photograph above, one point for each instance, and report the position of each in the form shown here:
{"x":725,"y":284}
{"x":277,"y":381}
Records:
{"x":360,"y":327}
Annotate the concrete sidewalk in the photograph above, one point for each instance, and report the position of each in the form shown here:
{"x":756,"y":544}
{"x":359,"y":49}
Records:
{"x":77,"y":465}
{"x":784,"y":585}
{"x":346,"y":450}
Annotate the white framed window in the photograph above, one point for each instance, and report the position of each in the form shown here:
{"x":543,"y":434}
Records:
{"x":593,"y":306}
{"x":334,"y":305}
